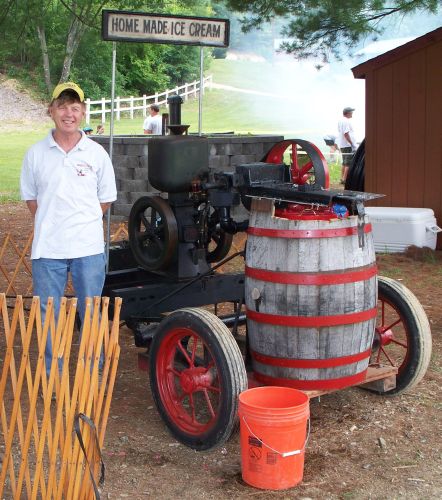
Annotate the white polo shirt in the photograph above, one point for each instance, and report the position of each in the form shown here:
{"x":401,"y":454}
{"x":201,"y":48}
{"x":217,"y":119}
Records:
{"x":68,"y":188}
{"x":154,"y":124}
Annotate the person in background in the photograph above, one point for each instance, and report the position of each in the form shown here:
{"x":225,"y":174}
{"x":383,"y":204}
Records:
{"x":153,"y":124}
{"x":87,"y":130}
{"x":100,"y":129}
{"x":68,"y":183}
{"x":334,"y":155}
{"x":346,"y":141}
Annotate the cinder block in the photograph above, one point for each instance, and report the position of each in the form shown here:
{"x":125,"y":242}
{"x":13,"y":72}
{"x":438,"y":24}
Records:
{"x":227,"y":168}
{"x":243,"y":139}
{"x":124,"y":173}
{"x":122,"y":209}
{"x":135,"y":149}
{"x":241,"y":159}
{"x":218,"y":149}
{"x":120,"y":160}
{"x":133,"y":162}
{"x":140,"y":173}
{"x":134,"y":139}
{"x":273,"y":139}
{"x":123,"y":197}
{"x":219,"y":162}
{"x":234,"y":149}
{"x":142,"y":161}
{"x":134,"y":185}
{"x":118,"y":218}
{"x":133,"y":197}
{"x":253,"y":148}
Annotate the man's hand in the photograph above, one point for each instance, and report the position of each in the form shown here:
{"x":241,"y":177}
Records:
{"x":105,"y":206}
{"x":32,"y":206}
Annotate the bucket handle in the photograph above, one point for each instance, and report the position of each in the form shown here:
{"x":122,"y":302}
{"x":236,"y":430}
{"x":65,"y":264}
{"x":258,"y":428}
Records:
{"x":283,"y":454}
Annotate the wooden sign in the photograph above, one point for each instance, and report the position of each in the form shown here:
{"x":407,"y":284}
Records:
{"x":162,"y":28}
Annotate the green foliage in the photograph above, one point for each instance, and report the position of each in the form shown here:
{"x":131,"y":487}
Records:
{"x":259,"y":41}
{"x":326,"y":27}
{"x":141,"y":68}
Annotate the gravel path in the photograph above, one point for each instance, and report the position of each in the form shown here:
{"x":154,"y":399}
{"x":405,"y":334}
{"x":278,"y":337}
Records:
{"x":17,"y":108}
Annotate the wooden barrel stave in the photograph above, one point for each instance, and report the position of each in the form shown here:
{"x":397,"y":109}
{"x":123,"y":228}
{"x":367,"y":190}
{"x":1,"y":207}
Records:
{"x":320,"y":256}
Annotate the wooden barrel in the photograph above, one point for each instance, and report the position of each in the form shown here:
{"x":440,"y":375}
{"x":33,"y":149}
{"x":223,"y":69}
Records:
{"x":311,"y":293}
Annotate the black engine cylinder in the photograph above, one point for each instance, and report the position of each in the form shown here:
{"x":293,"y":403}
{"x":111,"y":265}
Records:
{"x":175,"y":161}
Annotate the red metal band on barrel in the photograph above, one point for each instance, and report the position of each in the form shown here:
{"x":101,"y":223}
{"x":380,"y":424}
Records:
{"x":311,"y":385}
{"x":309,"y":214}
{"x":324,"y":278}
{"x":310,"y":363}
{"x":306,"y":233}
{"x":311,"y":321}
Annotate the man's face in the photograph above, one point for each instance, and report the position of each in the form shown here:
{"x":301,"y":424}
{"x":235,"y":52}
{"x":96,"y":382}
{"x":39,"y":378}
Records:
{"x":349,"y":114}
{"x":67,"y":115}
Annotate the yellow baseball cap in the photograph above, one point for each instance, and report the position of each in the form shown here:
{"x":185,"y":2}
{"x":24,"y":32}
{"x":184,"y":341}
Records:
{"x":61,"y":87}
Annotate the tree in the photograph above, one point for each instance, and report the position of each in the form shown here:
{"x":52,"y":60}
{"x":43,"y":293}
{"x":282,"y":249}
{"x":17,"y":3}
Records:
{"x":51,"y":41}
{"x":320,"y":28}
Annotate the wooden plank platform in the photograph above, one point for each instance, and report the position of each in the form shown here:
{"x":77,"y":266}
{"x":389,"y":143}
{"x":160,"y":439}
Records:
{"x":379,"y":378}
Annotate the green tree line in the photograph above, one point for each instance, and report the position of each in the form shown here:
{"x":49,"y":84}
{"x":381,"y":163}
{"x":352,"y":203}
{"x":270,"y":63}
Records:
{"x":324,"y":28}
{"x":48,"y":41}
{"x":45,"y":42}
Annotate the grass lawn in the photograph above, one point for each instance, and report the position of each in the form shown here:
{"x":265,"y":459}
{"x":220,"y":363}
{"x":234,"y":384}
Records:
{"x":12,"y":149}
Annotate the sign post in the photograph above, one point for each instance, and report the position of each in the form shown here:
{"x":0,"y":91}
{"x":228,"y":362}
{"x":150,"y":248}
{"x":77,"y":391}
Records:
{"x":111,"y":146}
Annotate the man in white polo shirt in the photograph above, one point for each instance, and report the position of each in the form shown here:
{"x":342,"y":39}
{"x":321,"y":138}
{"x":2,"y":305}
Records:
{"x":68,"y":183}
{"x":153,"y":124}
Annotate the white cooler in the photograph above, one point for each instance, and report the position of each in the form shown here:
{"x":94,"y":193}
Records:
{"x":397,"y":228}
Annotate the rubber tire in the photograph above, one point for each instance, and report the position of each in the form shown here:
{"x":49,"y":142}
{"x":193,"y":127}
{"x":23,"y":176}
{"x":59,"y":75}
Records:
{"x":418,"y":330}
{"x":230,"y":369}
{"x":356,"y":174}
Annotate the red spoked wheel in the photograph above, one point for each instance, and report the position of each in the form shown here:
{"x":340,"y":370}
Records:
{"x":307,"y":163}
{"x":403,"y":336}
{"x":196,"y":374}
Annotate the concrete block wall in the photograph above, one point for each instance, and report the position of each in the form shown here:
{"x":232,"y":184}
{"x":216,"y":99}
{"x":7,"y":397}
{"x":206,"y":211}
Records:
{"x":131,"y":165}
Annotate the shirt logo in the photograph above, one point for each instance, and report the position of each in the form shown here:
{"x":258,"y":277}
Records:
{"x":82,"y":169}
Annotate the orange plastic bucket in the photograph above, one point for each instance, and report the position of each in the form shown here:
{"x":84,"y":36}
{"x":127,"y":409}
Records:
{"x":273,"y":423}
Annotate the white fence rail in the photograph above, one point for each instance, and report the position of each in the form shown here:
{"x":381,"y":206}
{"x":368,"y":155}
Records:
{"x":128,"y":105}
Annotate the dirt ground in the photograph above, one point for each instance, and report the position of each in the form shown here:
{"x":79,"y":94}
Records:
{"x":362,"y":445}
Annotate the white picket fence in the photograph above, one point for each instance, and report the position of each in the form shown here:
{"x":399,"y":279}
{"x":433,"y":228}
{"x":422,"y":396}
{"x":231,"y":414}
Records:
{"x":128,"y":105}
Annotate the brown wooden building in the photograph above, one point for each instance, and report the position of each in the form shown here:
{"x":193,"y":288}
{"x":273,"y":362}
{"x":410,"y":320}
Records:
{"x":403,"y":129}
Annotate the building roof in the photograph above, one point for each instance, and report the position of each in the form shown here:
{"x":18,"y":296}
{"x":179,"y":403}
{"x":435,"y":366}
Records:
{"x":393,"y":55}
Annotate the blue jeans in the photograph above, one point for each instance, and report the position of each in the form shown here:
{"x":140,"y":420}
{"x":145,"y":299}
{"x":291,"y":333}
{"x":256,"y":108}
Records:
{"x":50,"y":276}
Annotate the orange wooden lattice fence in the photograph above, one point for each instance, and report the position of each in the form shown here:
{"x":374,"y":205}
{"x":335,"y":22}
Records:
{"x":15,"y":264}
{"x":42,"y":457}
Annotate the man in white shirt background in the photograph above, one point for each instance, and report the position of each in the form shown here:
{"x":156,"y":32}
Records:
{"x":153,"y":124}
{"x":346,"y":141}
